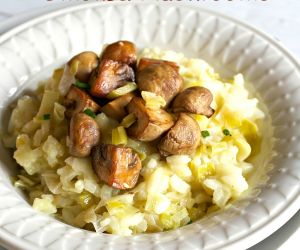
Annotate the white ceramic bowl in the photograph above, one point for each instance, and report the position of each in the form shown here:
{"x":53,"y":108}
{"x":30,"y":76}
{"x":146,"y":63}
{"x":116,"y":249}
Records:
{"x":30,"y":51}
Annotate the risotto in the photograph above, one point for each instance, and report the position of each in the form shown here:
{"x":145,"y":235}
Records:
{"x":171,"y":190}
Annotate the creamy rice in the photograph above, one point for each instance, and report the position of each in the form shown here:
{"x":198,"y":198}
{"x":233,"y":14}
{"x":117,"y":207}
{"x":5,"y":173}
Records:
{"x":171,"y":192}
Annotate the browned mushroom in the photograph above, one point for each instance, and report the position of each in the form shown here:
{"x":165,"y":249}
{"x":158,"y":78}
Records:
{"x":182,"y":138}
{"x":79,"y":67}
{"x":84,"y":134}
{"x":150,"y":124}
{"x":161,"y":79}
{"x":116,"y":108}
{"x":194,"y":100}
{"x":108,"y":76}
{"x":117,"y":166}
{"x":121,"y":51}
{"x":145,"y":62}
{"x":86,"y":62}
{"x":77,"y":101}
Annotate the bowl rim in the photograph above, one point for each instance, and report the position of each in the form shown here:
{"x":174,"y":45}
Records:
{"x":243,"y":241}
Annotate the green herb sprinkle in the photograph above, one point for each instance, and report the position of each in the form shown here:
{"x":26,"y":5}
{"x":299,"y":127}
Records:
{"x":226,"y":132}
{"x":205,"y":133}
{"x":82,"y":85}
{"x":46,"y":117}
{"x":90,"y":113}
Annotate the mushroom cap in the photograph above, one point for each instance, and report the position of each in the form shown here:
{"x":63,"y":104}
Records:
{"x":84,"y":134}
{"x":108,"y":76}
{"x":117,"y":166}
{"x":161,"y":79}
{"x":88,"y":61}
{"x":145,"y":62}
{"x":121,"y":51}
{"x":150,"y":124}
{"x":194,"y":100}
{"x":183,"y":138}
{"x":77,"y":101}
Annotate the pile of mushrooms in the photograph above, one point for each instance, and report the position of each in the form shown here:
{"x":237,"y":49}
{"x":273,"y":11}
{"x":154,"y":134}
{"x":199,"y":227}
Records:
{"x":171,"y":127}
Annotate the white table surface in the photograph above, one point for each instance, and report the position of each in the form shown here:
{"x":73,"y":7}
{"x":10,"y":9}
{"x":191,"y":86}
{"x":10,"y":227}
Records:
{"x":278,"y":18}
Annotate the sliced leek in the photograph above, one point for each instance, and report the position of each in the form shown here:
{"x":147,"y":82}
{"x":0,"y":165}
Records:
{"x":85,"y":199}
{"x":152,"y":100}
{"x":128,"y":120}
{"x":127,"y":88}
{"x":119,"y":136}
{"x":74,"y":67}
{"x":57,"y":74}
{"x":82,"y":85}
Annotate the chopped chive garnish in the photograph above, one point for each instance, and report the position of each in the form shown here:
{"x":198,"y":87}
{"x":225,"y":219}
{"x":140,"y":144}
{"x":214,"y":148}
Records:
{"x":226,"y":132}
{"x":46,"y":117}
{"x":205,"y":133}
{"x":82,"y":85}
{"x":90,"y":113}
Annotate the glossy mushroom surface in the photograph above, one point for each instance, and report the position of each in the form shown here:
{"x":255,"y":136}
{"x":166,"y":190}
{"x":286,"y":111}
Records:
{"x":84,"y":134}
{"x":194,"y":100}
{"x":121,"y":51}
{"x":86,"y":62}
{"x":108,"y":76}
{"x":161,"y":79}
{"x":145,"y":62}
{"x":77,"y":100}
{"x":117,"y":166}
{"x":150,"y":124}
{"x":182,"y":138}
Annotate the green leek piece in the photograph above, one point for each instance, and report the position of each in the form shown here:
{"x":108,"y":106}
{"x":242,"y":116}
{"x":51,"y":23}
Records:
{"x":82,"y":85}
{"x":128,"y":120}
{"x":127,"y":88}
{"x":153,"y":101}
{"x":119,"y":136}
{"x":85,"y":199}
{"x":74,"y":67}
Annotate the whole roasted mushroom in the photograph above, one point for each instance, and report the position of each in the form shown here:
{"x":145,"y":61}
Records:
{"x":116,"y":109}
{"x":117,"y":166}
{"x":150,"y":124}
{"x":194,"y":100}
{"x":160,"y":78}
{"x":182,"y":138}
{"x":108,"y":76}
{"x":84,"y":135}
{"x":77,"y":101}
{"x":87,"y":61}
{"x":78,"y":67}
{"x":121,"y":51}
